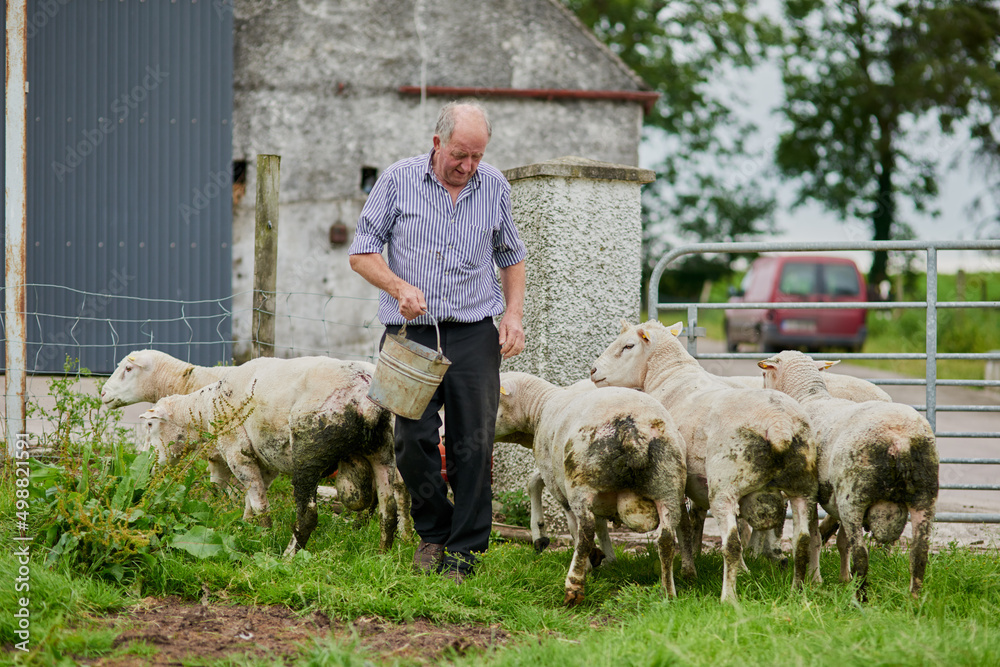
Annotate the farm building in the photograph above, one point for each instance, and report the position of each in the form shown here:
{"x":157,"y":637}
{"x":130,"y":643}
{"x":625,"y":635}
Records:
{"x":141,"y":114}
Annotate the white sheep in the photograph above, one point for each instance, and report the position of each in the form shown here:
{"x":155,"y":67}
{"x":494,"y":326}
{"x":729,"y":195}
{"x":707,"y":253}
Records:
{"x":739,"y":442}
{"x":768,"y":543}
{"x":308,"y":416}
{"x":877,"y":461}
{"x":149,"y":375}
{"x":603,"y":454}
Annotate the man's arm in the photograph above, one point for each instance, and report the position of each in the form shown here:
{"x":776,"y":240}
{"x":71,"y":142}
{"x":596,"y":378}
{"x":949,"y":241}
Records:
{"x":372,"y":267}
{"x":511,"y":328}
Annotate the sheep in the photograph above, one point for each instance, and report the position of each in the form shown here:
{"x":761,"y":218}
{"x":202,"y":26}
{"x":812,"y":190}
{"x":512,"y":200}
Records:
{"x":149,"y":375}
{"x":877,"y":462}
{"x":839,"y":386}
{"x":603,"y":454}
{"x":306,"y":417}
{"x":739,"y":442}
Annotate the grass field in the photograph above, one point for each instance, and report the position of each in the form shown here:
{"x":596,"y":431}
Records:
{"x":623,"y":621}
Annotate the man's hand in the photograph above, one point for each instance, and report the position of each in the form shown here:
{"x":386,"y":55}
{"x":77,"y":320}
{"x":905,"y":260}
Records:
{"x":411,"y":301}
{"x":511,"y":336}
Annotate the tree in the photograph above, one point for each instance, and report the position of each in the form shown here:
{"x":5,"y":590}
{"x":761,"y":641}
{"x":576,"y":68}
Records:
{"x":709,"y":187}
{"x":863,"y":81}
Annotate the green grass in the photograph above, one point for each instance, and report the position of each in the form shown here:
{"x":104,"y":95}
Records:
{"x":624,"y":619}
{"x":904,"y":330}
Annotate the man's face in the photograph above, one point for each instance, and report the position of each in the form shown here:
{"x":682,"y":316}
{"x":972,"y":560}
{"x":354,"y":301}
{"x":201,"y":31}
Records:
{"x":456,"y":161}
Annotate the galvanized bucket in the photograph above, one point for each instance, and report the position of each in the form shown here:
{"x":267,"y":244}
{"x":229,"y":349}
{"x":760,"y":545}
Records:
{"x":407,"y":374}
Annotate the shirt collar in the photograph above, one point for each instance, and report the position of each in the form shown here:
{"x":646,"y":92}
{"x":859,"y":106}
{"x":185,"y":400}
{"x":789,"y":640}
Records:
{"x":429,"y":173}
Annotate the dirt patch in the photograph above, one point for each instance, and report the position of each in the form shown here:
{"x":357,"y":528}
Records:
{"x":166,"y":631}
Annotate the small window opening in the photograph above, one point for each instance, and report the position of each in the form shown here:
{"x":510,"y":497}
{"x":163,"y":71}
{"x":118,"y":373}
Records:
{"x":239,"y":180}
{"x":368,"y":176}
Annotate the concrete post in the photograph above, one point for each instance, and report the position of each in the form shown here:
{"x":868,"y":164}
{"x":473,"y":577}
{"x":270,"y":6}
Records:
{"x":581,"y":222}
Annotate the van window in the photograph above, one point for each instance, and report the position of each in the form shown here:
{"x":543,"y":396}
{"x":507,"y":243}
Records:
{"x":798,"y":280}
{"x":841,"y":280}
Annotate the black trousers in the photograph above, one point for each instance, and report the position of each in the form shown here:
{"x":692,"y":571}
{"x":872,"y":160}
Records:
{"x":470,"y":395}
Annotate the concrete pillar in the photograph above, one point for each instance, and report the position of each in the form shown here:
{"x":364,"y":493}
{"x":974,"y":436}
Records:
{"x":581,"y":222}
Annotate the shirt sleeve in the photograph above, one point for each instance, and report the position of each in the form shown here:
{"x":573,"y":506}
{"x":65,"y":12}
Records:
{"x":508,"y":249}
{"x":378,"y":216}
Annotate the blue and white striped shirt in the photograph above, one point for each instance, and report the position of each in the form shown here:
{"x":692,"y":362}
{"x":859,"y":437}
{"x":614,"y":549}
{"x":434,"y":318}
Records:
{"x":447,"y":250}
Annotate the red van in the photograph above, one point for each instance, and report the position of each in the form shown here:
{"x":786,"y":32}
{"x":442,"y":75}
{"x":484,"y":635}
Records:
{"x":798,"y":278}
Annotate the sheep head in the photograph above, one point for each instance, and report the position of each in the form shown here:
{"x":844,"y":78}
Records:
{"x":160,"y":429}
{"x":512,"y":423}
{"x":793,"y":372}
{"x":125,"y":386}
{"x":624,"y":363}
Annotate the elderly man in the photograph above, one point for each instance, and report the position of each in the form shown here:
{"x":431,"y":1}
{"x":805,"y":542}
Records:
{"x":445,"y":223}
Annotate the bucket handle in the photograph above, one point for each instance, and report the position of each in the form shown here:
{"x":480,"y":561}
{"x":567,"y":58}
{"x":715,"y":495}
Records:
{"x":402,"y":332}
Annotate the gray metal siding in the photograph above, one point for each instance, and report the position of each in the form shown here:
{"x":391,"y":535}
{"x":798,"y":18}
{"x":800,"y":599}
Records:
{"x":129,"y":181}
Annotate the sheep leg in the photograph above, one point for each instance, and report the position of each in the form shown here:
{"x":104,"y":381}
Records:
{"x":249,"y":474}
{"x":403,"y":502}
{"x":306,"y":514}
{"x":606,"y":548}
{"x":827,"y":528}
{"x":805,"y":549}
{"x":852,"y":525}
{"x":387,"y":508}
{"x":538,"y":536}
{"x":688,"y":569}
{"x":698,"y":515}
{"x":845,"y":555}
{"x":665,"y":548}
{"x":581,"y":556}
{"x":725,"y":510}
{"x":920,"y":522}
{"x":218,"y":472}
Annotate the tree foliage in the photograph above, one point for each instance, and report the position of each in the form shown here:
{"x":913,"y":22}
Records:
{"x":708,"y":187}
{"x":864,"y":83}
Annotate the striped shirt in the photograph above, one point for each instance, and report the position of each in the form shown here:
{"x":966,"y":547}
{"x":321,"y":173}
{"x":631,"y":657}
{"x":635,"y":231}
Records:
{"x":447,"y":250}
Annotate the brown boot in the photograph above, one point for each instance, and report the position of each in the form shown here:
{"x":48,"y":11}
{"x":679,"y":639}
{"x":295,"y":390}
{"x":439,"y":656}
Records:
{"x":427,"y":557}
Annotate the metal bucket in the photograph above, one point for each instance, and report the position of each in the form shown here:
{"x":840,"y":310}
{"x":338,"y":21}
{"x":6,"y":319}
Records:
{"x":407,"y":374}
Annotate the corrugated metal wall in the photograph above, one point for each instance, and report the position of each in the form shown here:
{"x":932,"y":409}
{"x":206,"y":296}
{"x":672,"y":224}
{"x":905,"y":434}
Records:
{"x":129,"y":180}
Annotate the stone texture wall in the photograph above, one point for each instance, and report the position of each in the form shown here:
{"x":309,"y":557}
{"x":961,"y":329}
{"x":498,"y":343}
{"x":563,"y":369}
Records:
{"x":580,"y":220}
{"x":316,"y":82}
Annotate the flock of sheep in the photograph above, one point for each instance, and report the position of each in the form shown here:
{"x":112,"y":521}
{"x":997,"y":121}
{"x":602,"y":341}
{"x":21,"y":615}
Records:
{"x":742,"y":448}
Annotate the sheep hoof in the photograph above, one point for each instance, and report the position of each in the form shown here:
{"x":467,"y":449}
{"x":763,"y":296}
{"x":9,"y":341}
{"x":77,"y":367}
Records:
{"x":573,"y":597}
{"x":541,"y":544}
{"x":596,"y":557}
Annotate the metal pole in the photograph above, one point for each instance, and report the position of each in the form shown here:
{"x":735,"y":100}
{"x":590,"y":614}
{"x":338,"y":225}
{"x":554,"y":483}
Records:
{"x":931,"y":337}
{"x":15,"y":222}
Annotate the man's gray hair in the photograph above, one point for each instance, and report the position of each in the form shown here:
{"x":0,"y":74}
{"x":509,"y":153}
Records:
{"x":446,"y":119}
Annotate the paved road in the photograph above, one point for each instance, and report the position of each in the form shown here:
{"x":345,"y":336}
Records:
{"x":971,"y":422}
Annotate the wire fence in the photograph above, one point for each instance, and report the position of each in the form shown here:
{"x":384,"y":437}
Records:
{"x":98,"y":328}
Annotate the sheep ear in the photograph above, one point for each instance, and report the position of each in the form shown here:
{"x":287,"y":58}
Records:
{"x":134,"y":361}
{"x":676,"y":328}
{"x":768,"y":364}
{"x":625,"y":325}
{"x":503,"y":391}
{"x":823,"y":365}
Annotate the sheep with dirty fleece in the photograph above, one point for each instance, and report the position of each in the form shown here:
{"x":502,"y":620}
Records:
{"x":149,"y":375}
{"x":603,"y":454}
{"x":877,"y":462}
{"x":739,"y":442}
{"x":768,"y":543}
{"x":300,"y":417}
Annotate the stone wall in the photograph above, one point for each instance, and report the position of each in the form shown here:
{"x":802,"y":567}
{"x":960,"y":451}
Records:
{"x":317,"y":81}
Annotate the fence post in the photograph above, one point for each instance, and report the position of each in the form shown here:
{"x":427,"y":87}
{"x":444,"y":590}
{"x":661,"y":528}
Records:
{"x":15,"y":224}
{"x":265,"y":255}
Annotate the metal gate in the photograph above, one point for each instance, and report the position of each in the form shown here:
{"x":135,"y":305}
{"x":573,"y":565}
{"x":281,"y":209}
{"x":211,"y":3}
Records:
{"x":931,"y":355}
